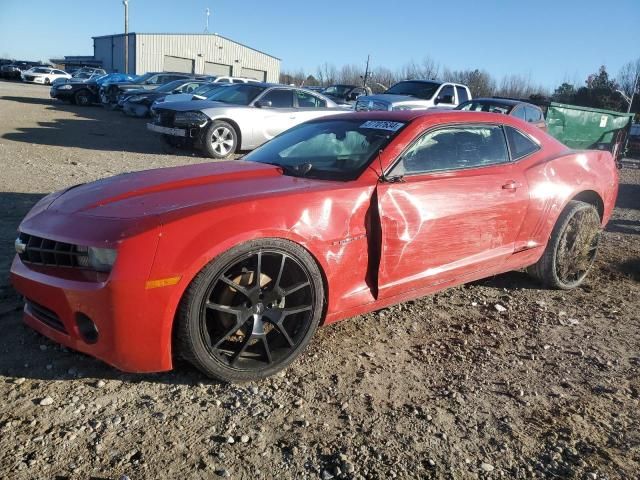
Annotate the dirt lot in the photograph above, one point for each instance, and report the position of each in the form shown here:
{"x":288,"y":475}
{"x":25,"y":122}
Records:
{"x":442,"y":387}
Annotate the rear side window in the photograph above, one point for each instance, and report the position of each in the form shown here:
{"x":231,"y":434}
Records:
{"x":279,"y":98}
{"x":533,"y":114}
{"x":519,"y":112}
{"x":306,"y":100}
{"x":520,"y":144}
{"x":462,"y":94}
{"x":455,"y":148}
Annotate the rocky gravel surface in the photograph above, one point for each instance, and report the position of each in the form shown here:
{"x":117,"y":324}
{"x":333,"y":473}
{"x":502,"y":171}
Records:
{"x":496,"y":379}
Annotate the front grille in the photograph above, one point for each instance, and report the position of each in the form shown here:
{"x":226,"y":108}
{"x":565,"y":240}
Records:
{"x":42,"y":251}
{"x":45,"y":315}
{"x":164,"y":118}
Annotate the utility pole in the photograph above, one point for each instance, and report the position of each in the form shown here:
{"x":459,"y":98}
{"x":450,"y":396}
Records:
{"x":126,"y":35}
{"x":633,"y":92}
{"x":366,"y":73}
{"x":207,"y":12}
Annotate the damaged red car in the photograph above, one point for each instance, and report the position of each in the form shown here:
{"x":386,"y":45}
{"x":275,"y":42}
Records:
{"x":234,"y":265}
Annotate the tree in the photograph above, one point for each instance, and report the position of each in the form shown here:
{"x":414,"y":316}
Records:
{"x":629,"y":77}
{"x":600,"y":92}
{"x":479,"y":81}
{"x":565,"y":93}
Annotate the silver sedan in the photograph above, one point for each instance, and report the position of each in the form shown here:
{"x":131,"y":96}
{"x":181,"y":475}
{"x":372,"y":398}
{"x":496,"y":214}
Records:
{"x":239,"y":117}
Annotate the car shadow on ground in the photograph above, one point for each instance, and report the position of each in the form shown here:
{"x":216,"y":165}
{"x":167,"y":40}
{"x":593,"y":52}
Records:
{"x":628,"y":196}
{"x":92,"y":128}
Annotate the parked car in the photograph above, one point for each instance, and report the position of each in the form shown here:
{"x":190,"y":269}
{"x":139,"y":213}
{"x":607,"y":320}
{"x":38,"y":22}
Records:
{"x":233,"y":265}
{"x":201,"y":93}
{"x":138,"y":102}
{"x":416,"y":95}
{"x":345,"y":94}
{"x":239,"y":117}
{"x":633,"y":146}
{"x":314,"y":88}
{"x":13,"y":71}
{"x":522,"y":110}
{"x":77,"y":77}
{"x":43,"y":75}
{"x":87,"y":92}
{"x":109,"y":92}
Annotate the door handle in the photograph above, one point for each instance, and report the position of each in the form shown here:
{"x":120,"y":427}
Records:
{"x":511,"y":185}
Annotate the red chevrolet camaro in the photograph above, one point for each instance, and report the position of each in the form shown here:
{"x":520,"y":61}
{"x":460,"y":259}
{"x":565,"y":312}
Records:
{"x":233,"y":265}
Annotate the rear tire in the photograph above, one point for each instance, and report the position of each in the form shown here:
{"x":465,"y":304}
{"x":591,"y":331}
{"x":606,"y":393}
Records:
{"x":47,"y":81}
{"x":220,"y":140}
{"x":251,"y":311}
{"x":571,"y":249}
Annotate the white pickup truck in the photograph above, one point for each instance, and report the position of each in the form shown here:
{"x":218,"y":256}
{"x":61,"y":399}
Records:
{"x":416,"y":95}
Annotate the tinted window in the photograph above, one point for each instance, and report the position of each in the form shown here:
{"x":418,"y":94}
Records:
{"x":424,"y":90}
{"x":462,"y":94}
{"x":453,"y":148}
{"x":306,"y":100}
{"x":520,"y":144}
{"x":483,"y":106}
{"x":519,"y":112}
{"x":279,"y":98}
{"x":241,"y":94}
{"x":533,"y":114}
{"x":446,"y":95}
{"x":237,"y":81}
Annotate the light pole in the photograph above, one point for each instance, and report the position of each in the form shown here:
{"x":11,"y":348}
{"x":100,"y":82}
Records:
{"x":126,"y":35}
{"x":207,"y":13}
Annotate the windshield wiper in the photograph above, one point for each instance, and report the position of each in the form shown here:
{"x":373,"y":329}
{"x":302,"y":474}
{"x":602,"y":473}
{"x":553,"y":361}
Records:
{"x":294,"y":170}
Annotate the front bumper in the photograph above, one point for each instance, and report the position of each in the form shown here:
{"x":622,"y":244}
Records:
{"x":61,"y":94}
{"x":133,"y":322}
{"x":135,"y":109}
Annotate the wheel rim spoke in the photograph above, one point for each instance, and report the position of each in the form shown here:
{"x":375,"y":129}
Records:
{"x":236,"y":286}
{"x":288,"y":291}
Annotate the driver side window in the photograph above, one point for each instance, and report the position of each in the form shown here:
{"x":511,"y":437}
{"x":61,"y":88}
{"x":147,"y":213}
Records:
{"x":446,"y":95}
{"x":454,"y":148}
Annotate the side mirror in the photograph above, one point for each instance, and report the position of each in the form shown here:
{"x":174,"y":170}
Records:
{"x":263,"y":103}
{"x":446,"y":99}
{"x":352,"y":96}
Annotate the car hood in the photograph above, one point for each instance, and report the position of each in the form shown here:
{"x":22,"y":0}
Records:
{"x":177,"y":190}
{"x":200,"y":105}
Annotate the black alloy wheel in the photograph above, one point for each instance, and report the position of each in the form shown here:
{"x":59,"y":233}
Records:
{"x":250,"y":312}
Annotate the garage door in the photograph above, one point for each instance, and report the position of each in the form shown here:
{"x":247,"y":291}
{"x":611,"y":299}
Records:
{"x":178,"y":64}
{"x":259,"y":75}
{"x":217,"y":69}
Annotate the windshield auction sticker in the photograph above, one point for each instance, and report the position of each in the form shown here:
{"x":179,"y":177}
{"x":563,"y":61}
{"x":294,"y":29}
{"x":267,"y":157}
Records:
{"x":383,"y":125}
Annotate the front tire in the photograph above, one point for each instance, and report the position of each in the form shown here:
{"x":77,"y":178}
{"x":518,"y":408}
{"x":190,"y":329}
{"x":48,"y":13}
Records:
{"x":47,"y":81}
{"x":82,"y":98}
{"x":220,"y":140}
{"x":251,"y":311}
{"x":572,"y":248}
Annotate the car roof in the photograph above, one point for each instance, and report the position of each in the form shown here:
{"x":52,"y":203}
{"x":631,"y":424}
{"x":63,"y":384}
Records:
{"x":448,"y":116}
{"x":500,"y":101}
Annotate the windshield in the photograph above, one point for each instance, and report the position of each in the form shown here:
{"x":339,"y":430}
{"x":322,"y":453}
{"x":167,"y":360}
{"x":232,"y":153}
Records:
{"x":170,"y":87}
{"x":41,"y":70}
{"x":238,"y":94}
{"x":476,"y":106}
{"x":142,"y":78}
{"x":205,"y":88}
{"x":327,"y":149}
{"x":424,"y":90}
{"x":337,"y":90}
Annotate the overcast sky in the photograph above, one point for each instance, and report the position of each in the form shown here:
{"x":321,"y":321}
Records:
{"x":550,"y":41}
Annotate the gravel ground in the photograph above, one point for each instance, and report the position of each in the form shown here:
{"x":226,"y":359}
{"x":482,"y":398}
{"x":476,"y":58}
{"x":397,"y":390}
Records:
{"x":448,"y":386}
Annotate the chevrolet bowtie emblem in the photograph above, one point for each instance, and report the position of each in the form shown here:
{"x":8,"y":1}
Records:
{"x":20,"y":246}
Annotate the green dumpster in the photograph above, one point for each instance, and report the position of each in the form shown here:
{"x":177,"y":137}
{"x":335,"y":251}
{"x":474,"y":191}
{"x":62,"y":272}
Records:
{"x":589,"y":128}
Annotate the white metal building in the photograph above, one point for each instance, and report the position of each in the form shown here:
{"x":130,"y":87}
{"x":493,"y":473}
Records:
{"x":190,"y":53}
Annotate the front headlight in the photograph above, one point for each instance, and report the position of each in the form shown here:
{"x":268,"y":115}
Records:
{"x":65,"y":87}
{"x":100,"y":259}
{"x":190,"y":118}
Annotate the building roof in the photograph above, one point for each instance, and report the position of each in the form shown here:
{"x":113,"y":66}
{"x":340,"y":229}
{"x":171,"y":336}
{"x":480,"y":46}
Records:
{"x":191,"y":34}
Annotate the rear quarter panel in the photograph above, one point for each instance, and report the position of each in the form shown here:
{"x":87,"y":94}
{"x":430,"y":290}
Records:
{"x":556,"y":180}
